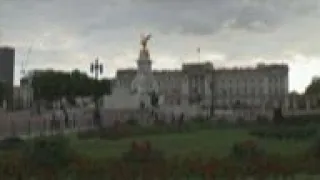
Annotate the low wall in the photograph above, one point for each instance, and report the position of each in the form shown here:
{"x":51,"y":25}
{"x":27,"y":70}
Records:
{"x":23,"y":122}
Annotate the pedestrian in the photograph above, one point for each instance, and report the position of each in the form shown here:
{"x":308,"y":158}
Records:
{"x":97,"y":118}
{"x":53,"y":121}
{"x":66,"y":116}
{"x":173,"y":119}
{"x":181,"y":120}
{"x":74,"y":118}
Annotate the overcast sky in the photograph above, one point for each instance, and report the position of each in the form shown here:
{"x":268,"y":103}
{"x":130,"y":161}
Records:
{"x":68,"y":34}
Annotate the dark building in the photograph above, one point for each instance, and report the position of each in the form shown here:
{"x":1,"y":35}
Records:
{"x":7,"y":64}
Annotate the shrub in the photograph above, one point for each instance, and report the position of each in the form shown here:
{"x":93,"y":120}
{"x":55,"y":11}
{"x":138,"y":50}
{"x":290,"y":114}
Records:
{"x":199,"y":119}
{"x":302,"y":120}
{"x":118,"y":131}
{"x":192,"y":166}
{"x":84,"y":168}
{"x":88,"y":134}
{"x":159,"y":122}
{"x":240,"y":121}
{"x":12,"y":143}
{"x":210,"y":168}
{"x":222,"y":121}
{"x":284,"y":133}
{"x":278,"y":116}
{"x":246,"y":150}
{"x":315,"y":149}
{"x":132,"y":122}
{"x":54,"y":152}
{"x":262,"y":120}
{"x":142,"y":152}
{"x":13,"y":166}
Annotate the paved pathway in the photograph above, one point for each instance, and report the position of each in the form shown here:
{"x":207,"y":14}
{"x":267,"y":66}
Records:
{"x":38,"y":134}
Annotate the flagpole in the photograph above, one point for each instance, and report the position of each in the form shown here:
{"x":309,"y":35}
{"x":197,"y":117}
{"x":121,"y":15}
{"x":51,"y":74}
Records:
{"x":198,"y":51}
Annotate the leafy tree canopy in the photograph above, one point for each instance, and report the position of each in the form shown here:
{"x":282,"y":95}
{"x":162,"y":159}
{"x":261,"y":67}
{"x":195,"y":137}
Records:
{"x":53,"y":85}
{"x":314,"y":86}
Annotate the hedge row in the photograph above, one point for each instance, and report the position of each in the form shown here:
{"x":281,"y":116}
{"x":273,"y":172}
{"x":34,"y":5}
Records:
{"x":284,"y":133}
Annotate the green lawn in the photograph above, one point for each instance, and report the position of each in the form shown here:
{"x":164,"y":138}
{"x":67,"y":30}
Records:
{"x":205,"y":143}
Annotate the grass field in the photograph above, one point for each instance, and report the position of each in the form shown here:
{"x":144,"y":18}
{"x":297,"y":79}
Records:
{"x":215,"y":142}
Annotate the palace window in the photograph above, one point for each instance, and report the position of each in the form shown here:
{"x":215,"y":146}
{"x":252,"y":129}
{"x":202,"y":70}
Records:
{"x":261,"y":91}
{"x":178,"y":101}
{"x":270,"y":90}
{"x":253,"y":91}
{"x":270,"y":79}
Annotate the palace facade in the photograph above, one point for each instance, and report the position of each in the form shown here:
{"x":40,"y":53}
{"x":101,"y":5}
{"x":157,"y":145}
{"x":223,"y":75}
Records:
{"x":263,"y":86}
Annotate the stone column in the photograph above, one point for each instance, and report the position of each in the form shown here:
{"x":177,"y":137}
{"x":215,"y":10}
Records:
{"x":206,"y":87}
{"x":185,"y":89}
{"x":294,"y":103}
{"x":263,"y":106}
{"x":286,"y":103}
{"x":308,"y":103}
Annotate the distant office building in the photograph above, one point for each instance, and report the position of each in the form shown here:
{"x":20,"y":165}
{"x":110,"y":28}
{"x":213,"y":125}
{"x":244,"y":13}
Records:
{"x":7,"y":64}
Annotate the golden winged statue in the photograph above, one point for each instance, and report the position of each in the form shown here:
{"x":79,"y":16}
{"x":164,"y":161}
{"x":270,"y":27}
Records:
{"x":144,"y":40}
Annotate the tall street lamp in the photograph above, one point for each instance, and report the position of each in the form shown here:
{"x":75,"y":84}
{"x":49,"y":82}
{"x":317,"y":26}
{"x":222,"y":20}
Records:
{"x":96,"y":68}
{"x":212,"y":87}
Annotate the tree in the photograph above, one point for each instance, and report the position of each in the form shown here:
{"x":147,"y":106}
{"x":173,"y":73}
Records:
{"x":48,"y":85}
{"x":53,"y":85}
{"x":79,"y":83}
{"x":2,"y":92}
{"x":103,"y":87}
{"x":313,"y":87}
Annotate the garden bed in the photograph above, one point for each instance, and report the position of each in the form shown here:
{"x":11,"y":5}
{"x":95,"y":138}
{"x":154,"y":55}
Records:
{"x":55,"y":158}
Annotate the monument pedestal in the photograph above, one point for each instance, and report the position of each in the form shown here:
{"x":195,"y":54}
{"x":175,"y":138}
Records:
{"x":138,"y":98}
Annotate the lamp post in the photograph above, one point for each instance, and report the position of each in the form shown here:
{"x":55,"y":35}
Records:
{"x":96,"y":68}
{"x":212,"y":108}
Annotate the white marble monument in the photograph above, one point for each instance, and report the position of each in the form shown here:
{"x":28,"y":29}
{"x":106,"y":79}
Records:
{"x":142,"y":86}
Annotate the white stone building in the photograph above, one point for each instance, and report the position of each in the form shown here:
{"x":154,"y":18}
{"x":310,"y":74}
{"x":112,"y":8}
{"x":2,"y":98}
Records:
{"x":133,"y":92}
{"x":261,"y":87}
{"x":199,"y":88}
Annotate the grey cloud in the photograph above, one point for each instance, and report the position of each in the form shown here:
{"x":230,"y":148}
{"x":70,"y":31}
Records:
{"x":213,"y":15}
{"x":80,"y":30}
{"x":202,"y":17}
{"x":252,"y":18}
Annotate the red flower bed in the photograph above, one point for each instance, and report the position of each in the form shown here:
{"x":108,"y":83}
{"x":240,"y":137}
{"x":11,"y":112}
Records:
{"x":11,"y":165}
{"x":210,"y":168}
{"x":83,"y":168}
{"x":143,"y":161}
{"x":248,"y":144}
